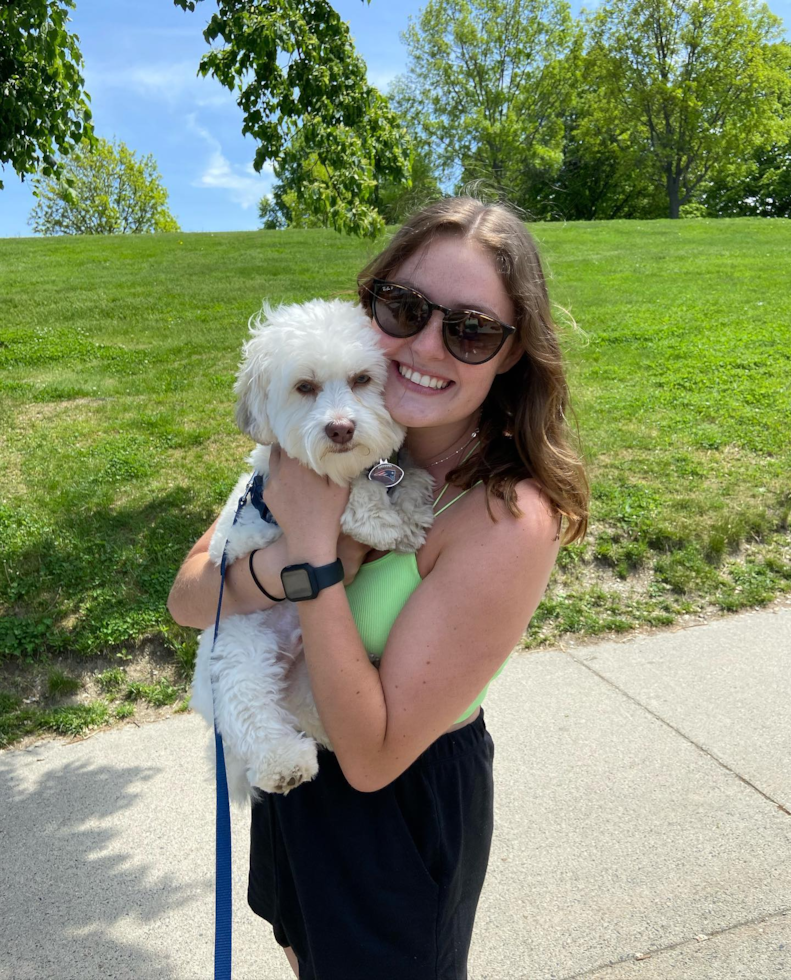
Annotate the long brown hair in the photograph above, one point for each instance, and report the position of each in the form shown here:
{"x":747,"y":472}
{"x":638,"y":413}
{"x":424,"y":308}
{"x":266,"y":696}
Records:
{"x":524,"y":430}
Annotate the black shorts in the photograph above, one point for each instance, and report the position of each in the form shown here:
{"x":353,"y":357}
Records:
{"x":379,"y":885}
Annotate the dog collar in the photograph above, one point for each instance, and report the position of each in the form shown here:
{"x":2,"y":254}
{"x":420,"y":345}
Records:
{"x":257,"y":500}
{"x":386,"y":471}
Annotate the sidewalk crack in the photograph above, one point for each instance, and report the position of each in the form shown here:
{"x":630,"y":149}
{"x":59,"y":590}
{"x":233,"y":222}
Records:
{"x":678,"y":731}
{"x":682,"y":942}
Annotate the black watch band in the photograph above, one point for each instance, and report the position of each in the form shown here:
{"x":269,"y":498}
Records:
{"x":305,"y":581}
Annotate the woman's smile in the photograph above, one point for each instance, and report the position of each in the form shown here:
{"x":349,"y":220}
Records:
{"x":423,"y":382}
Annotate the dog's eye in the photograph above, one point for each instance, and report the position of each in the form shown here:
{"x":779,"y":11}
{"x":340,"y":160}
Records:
{"x":362,"y":379}
{"x":306,"y":388}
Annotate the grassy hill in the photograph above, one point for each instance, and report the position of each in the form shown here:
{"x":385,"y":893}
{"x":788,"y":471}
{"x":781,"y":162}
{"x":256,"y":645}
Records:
{"x":118,"y":442}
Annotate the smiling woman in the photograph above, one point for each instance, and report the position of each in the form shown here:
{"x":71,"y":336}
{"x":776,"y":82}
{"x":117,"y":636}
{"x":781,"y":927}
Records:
{"x":374,"y":868}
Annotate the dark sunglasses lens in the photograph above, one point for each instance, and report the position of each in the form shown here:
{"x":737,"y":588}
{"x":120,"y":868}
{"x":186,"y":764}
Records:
{"x":399,"y":312}
{"x":473,"y":338}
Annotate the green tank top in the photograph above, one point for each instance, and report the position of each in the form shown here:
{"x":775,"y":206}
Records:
{"x":380,"y":590}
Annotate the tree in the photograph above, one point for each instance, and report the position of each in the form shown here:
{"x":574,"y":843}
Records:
{"x":699,"y":82}
{"x":762,"y":188}
{"x":603,"y":174}
{"x":320,"y":99}
{"x":764,"y":191}
{"x":284,"y":209}
{"x":103,"y":190}
{"x":395,"y":201}
{"x":487,"y":86}
{"x":392,"y":199}
{"x":43,"y":108}
{"x":601,"y":178}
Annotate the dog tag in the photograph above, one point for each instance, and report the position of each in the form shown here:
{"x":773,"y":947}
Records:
{"x":387,"y":473}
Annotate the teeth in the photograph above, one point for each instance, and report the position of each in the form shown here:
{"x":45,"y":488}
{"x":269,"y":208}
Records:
{"x":421,"y":379}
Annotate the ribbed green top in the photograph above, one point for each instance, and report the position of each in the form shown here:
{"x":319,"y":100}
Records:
{"x":378,"y":594}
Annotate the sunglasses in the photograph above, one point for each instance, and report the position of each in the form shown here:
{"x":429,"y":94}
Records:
{"x":469,"y":336}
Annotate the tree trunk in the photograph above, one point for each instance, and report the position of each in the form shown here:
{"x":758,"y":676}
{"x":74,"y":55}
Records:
{"x":673,"y":193}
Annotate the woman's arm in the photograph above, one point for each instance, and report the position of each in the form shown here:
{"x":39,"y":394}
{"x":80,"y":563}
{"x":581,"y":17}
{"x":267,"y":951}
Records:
{"x":456,"y":629}
{"x":196,"y":588}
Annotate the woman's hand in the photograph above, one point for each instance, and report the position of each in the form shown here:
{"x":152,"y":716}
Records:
{"x":308,"y":507}
{"x":351,"y":553}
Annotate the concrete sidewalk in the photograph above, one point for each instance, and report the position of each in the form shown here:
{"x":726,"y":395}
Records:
{"x":643,"y":803}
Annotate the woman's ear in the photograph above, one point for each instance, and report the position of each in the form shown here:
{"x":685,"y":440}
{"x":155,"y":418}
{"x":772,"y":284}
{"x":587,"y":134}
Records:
{"x":252,"y":383}
{"x":513,"y":356}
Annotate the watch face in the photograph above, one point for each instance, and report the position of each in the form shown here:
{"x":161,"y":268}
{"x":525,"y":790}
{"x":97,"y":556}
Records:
{"x":296,"y":582}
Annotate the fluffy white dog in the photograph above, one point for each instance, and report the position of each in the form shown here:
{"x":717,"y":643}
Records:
{"x":312,"y":380}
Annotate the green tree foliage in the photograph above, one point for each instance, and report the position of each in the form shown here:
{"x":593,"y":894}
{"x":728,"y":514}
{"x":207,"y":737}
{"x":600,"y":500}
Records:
{"x":487,"y":85}
{"x":601,"y":178}
{"x":43,"y":108}
{"x":764,"y":191}
{"x":284,"y":209}
{"x":690,"y":86}
{"x":280,"y":210}
{"x":761,"y":187}
{"x":395,"y":201}
{"x":103,"y":190}
{"x":300,"y":84}
{"x":392,"y":199}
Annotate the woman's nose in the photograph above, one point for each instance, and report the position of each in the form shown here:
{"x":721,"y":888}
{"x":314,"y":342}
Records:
{"x":429,"y":341}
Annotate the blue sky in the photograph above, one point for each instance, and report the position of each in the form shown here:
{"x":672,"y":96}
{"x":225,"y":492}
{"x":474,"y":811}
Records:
{"x":141,"y":58}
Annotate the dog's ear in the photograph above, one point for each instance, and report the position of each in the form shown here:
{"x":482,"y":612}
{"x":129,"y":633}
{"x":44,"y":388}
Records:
{"x":252,"y":382}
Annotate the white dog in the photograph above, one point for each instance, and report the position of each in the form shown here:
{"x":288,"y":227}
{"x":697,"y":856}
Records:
{"x":312,"y":380}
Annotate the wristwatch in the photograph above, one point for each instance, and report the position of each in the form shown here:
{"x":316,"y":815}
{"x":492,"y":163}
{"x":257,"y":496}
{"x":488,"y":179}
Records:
{"x":305,"y":581}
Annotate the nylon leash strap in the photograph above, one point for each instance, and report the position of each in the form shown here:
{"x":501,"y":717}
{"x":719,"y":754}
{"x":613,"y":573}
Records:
{"x":223,"y":904}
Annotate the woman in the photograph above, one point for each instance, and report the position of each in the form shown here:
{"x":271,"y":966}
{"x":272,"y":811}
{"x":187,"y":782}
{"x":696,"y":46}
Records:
{"x":375,"y":867}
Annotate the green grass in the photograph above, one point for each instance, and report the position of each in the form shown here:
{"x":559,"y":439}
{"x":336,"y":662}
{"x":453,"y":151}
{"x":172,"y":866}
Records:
{"x":111,"y":681}
{"x":20,"y":717}
{"x":119,"y":447}
{"x":159,"y":694}
{"x":18,"y":720}
{"x":59,"y":684}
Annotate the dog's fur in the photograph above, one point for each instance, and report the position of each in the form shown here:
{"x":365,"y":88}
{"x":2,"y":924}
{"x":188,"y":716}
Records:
{"x":262,"y":699}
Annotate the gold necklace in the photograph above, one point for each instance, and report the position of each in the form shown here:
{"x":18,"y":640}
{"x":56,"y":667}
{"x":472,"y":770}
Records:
{"x":438,"y":461}
{"x":446,"y":484}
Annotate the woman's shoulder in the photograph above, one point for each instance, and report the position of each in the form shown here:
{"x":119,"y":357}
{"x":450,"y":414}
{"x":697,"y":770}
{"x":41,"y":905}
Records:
{"x":536,"y":509}
{"x":471,"y":531}
{"x":536,"y":525}
{"x":529,"y":496}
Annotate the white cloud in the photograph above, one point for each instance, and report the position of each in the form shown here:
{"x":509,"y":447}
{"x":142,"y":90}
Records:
{"x":171,"y":83}
{"x":246,"y":187}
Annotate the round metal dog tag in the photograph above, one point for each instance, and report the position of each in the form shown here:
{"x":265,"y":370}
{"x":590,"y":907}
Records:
{"x":387,"y":473}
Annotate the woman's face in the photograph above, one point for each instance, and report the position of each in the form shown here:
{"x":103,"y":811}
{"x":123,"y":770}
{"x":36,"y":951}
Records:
{"x":458,"y":275}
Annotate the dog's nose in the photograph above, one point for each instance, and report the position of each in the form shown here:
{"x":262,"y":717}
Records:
{"x":340,"y":431}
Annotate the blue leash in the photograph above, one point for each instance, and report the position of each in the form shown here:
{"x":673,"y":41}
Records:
{"x":223,"y":908}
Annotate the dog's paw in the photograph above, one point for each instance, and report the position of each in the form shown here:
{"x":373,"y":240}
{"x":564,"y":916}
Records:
{"x":285,"y":767}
